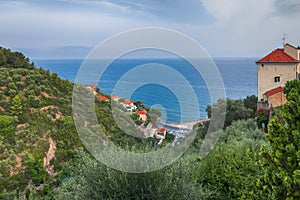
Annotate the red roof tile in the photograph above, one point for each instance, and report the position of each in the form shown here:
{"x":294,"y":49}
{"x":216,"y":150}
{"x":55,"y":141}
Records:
{"x":274,"y":91}
{"x":141,"y":112}
{"x":277,"y":56}
{"x":162,"y":129}
{"x":103,"y":98}
{"x":3,"y":87}
{"x":93,"y":86}
{"x":128,"y":102}
{"x":114,"y":97}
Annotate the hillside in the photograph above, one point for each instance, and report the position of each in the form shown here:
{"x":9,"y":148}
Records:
{"x":37,"y":132}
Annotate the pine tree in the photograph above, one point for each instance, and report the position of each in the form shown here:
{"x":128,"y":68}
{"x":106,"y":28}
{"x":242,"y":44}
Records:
{"x":2,"y":58}
{"x":16,"y":107}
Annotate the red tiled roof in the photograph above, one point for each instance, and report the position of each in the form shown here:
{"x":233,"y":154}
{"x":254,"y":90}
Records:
{"x":103,"y":98}
{"x":114,"y":97}
{"x":162,"y":129}
{"x":141,"y":112}
{"x":128,"y":102}
{"x":274,"y":91}
{"x":3,"y":87}
{"x":277,"y":56}
{"x":92,"y":86}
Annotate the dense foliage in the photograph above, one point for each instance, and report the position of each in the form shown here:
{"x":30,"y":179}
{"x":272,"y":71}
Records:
{"x":281,"y":179}
{"x":36,"y":121}
{"x":14,"y":59}
{"x":35,"y":106}
{"x":235,"y":109}
{"x":93,"y":180}
{"x":231,"y":168}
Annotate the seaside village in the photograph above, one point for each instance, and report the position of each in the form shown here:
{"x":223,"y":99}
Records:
{"x":139,"y":114}
{"x":274,"y":70}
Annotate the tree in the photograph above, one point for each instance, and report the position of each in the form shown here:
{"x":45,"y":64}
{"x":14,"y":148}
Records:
{"x":282,"y":157}
{"x":140,"y":105}
{"x":232,"y":167}
{"x":230,"y":170}
{"x":251,"y":103}
{"x":235,"y":110}
{"x":2,"y":58}
{"x":154,"y":114}
{"x":16,"y":107}
{"x":92,"y":180}
{"x":6,"y":125}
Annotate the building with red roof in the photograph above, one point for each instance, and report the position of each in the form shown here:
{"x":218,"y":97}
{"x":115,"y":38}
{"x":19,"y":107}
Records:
{"x":114,"y":97}
{"x":142,"y":114}
{"x":274,"y":70}
{"x":4,"y":87}
{"x":92,"y":88}
{"x":103,"y":98}
{"x":277,"y":56}
{"x":275,"y":97}
{"x":161,"y":133}
{"x":128,"y":102}
{"x":274,"y":91}
{"x":129,"y":105}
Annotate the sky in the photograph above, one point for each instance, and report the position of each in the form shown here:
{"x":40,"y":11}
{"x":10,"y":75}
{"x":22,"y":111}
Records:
{"x":71,"y":28}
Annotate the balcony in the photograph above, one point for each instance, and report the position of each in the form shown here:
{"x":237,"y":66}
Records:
{"x":262,"y":104}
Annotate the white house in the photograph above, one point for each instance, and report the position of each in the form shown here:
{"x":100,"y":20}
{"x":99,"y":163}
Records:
{"x":128,"y":104}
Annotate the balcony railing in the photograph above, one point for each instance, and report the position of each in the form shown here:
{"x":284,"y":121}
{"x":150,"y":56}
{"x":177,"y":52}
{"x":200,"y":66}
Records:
{"x":263,"y":105}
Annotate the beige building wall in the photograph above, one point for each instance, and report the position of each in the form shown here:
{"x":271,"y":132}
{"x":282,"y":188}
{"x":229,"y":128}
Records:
{"x":268,"y":71}
{"x":292,"y":51}
{"x":277,"y":99}
{"x":143,"y":117}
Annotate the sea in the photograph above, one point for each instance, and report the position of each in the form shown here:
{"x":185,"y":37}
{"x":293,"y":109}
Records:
{"x":172,"y":85}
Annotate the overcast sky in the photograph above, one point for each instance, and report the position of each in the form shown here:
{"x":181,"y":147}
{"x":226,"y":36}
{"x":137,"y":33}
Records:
{"x":70,"y":28}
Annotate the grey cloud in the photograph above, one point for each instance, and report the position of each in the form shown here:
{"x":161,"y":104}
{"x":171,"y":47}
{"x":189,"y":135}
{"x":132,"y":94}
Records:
{"x":287,"y":7}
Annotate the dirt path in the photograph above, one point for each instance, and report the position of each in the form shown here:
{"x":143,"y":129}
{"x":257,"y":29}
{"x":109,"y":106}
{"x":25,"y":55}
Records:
{"x":49,"y":156}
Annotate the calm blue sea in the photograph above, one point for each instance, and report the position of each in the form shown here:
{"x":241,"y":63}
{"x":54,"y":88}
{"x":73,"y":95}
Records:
{"x":239,"y":76}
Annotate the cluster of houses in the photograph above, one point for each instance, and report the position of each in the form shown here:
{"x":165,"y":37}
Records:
{"x":130,"y":107}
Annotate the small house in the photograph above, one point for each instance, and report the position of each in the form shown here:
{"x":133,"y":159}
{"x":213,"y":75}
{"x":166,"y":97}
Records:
{"x":161,"y":133}
{"x":103,"y":98}
{"x":92,"y":88}
{"x":275,"y":97}
{"x":129,"y":105}
{"x":114,"y":97}
{"x":142,"y":114}
{"x":274,"y":70}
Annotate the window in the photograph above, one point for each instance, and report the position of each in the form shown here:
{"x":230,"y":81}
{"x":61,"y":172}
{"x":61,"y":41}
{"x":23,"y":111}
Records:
{"x":277,"y":79}
{"x":298,"y":76}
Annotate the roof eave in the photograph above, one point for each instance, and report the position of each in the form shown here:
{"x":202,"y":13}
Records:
{"x":277,"y":62}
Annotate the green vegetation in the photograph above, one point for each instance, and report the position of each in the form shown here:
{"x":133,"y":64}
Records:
{"x":231,"y":168}
{"x":14,"y":59}
{"x":236,"y":109}
{"x":281,"y":178}
{"x":36,"y":122}
{"x":93,"y":180}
